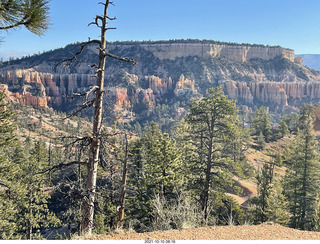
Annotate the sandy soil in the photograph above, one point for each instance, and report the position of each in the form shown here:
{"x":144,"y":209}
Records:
{"x":246,"y":232}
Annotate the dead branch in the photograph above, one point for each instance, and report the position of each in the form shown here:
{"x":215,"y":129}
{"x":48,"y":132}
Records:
{"x":85,"y":141}
{"x":107,"y":3}
{"x":109,"y":18}
{"x":98,"y":17}
{"x":69,"y":61}
{"x":128,"y":60}
{"x":92,"y":89}
{"x":62,"y":165}
{"x":85,"y":105}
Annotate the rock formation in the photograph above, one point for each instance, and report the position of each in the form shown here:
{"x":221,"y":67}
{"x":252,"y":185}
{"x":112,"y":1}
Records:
{"x":167,"y":70}
{"x":184,"y":86}
{"x":273,"y":93}
{"x":235,"y":52}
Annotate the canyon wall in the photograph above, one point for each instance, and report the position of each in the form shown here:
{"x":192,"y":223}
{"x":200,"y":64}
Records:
{"x":44,"y":89}
{"x":166,"y":72}
{"x":272,"y":93}
{"x":235,"y":52}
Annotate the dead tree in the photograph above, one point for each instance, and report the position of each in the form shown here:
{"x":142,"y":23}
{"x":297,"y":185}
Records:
{"x":101,"y":22}
{"x":97,"y":93}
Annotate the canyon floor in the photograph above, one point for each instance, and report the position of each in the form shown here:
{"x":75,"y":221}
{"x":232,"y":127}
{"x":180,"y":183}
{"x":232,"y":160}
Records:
{"x":264,"y":231}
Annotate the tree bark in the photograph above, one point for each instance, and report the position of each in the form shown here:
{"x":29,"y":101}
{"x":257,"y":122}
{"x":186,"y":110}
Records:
{"x":120,"y":213}
{"x":207,"y":183}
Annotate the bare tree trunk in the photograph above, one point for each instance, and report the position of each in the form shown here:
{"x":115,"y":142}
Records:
{"x":88,"y":210}
{"x":120,"y":214}
{"x":29,"y":230}
{"x":206,"y":188}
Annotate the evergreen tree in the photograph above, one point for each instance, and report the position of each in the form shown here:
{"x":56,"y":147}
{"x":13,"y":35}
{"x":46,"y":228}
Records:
{"x":34,"y":213}
{"x":7,"y":126}
{"x":261,"y":123}
{"x":264,"y":179}
{"x":302,"y":177}
{"x":316,"y":215}
{"x":23,"y":208}
{"x":306,"y":116}
{"x":156,"y":169}
{"x":189,"y":153}
{"x":261,"y":142}
{"x":291,"y":121}
{"x":10,"y":174}
{"x":283,"y":129}
{"x":212,"y":121}
{"x":277,"y":210}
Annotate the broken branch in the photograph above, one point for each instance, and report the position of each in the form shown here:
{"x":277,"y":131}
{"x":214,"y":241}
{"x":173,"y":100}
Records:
{"x":62,"y":165}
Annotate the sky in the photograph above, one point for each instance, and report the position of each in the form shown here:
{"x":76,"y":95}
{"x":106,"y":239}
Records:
{"x":292,"y":24}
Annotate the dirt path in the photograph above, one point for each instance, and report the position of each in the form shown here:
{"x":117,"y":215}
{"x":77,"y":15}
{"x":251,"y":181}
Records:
{"x":246,"y":232}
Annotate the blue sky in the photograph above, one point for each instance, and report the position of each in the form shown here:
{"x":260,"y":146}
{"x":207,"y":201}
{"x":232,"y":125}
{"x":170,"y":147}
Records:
{"x":289,"y":23}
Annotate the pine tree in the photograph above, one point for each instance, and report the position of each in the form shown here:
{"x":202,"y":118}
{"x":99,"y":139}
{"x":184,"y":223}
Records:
{"x":34,"y":213}
{"x":261,"y":142}
{"x":316,"y":215}
{"x":302,"y":178}
{"x":283,"y":129}
{"x":156,"y":170}
{"x":10,"y":174}
{"x":264,"y":179}
{"x":306,"y":116}
{"x":277,"y":210}
{"x":261,"y":122}
{"x":189,"y":153}
{"x":212,"y":120}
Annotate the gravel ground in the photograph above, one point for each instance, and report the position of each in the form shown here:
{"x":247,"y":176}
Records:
{"x":246,"y":232}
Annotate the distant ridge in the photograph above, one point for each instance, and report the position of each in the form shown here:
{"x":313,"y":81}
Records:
{"x":195,"y":41}
{"x":71,"y":46}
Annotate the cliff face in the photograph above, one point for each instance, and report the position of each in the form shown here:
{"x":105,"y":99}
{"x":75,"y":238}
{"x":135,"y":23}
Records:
{"x":273,"y":93}
{"x":30,"y":85}
{"x":239,"y":53}
{"x":166,"y":72}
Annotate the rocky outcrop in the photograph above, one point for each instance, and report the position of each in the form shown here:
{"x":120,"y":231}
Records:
{"x":273,"y":93}
{"x":119,"y":97}
{"x":159,"y":86}
{"x":235,"y":52}
{"x":184,"y":87}
{"x":238,"y":91}
{"x":24,"y":98}
{"x":29,"y":84}
{"x":45,"y":89}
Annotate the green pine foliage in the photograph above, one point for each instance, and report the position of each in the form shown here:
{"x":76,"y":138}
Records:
{"x":277,"y":210}
{"x":302,"y":177}
{"x":283,"y":129}
{"x":26,"y":193}
{"x":213,"y":122}
{"x":23,"y":202}
{"x":261,"y":123}
{"x":156,"y":169}
{"x":261,"y":143}
{"x":31,"y":14}
{"x":7,"y":126}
